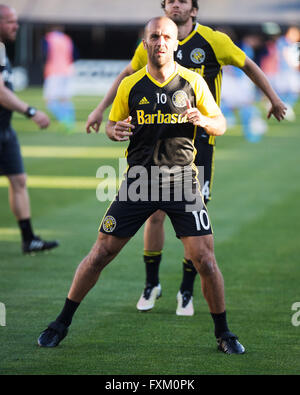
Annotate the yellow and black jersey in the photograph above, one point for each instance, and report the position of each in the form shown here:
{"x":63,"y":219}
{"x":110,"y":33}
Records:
{"x":204,"y":51}
{"x":161,"y":135}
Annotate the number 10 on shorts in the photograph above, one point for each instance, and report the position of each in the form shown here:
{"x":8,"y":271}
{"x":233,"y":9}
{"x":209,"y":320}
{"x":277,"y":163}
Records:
{"x":201,"y":219}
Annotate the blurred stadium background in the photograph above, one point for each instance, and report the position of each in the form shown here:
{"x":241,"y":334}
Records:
{"x":110,"y":31}
{"x":254,"y":211}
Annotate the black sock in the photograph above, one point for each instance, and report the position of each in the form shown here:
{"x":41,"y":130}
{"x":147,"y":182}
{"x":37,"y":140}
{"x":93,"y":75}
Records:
{"x":152,"y":260}
{"x":189,"y":274}
{"x":67,"y":312}
{"x":26,"y":229}
{"x":220,"y":323}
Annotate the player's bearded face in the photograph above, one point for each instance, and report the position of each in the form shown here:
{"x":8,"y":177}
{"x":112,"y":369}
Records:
{"x":9,"y":25}
{"x":161,"y":42}
{"x":179,"y":11}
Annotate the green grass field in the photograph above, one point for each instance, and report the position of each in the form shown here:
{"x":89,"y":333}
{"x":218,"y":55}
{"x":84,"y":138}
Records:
{"x":256,"y":219}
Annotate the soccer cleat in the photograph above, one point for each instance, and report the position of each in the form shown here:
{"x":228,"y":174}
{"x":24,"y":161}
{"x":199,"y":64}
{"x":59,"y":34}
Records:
{"x":53,"y":335}
{"x":37,"y":245}
{"x":229,"y":344}
{"x":185,"y":303}
{"x":148,"y":297}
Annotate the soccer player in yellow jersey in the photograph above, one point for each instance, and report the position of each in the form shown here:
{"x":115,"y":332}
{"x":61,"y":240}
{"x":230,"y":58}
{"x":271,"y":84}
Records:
{"x":161,"y":130}
{"x":204,"y":51}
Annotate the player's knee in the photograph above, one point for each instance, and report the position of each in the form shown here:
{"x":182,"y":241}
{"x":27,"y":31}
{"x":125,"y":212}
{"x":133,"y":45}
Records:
{"x":18,"y":182}
{"x":98,"y":258}
{"x":205,"y":263}
{"x":157,"y":218}
{"x":103,"y":252}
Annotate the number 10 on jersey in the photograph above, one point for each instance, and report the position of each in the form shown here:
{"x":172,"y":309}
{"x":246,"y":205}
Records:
{"x":161,"y":98}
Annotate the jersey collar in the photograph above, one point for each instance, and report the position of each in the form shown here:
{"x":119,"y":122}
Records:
{"x":193,"y":32}
{"x":163,"y":83}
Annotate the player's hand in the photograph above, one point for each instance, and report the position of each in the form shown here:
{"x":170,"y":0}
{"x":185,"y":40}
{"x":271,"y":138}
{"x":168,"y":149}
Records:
{"x":278,"y":109}
{"x":122,"y":129}
{"x":94,"y":121}
{"x":193,"y":115}
{"x":41,"y":119}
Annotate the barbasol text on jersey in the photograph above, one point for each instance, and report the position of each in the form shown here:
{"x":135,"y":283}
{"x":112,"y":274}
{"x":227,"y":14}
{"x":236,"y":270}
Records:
{"x":159,"y":118}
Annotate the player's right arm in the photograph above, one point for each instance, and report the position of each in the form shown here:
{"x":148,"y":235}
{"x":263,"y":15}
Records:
{"x":9,"y":100}
{"x":95,"y":118}
{"x":119,"y":131}
{"x":118,"y":127}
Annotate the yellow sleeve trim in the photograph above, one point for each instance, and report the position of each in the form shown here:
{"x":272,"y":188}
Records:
{"x":218,"y":84}
{"x":120,"y":107}
{"x":227,"y":53}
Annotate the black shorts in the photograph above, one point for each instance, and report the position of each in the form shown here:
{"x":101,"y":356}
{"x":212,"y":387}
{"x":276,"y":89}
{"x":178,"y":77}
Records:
{"x":11,"y":161}
{"x":205,"y":157}
{"x":125,"y":218}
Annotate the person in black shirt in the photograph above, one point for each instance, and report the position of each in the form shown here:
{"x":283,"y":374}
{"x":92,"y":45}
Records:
{"x":157,"y":109}
{"x":11,"y":163}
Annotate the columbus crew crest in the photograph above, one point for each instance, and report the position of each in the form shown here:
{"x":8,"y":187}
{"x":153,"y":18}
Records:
{"x":179,"y":99}
{"x":109,"y":224}
{"x":197,"y":56}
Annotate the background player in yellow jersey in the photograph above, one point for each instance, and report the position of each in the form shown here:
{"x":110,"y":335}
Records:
{"x":204,"y":51}
{"x":165,"y":139}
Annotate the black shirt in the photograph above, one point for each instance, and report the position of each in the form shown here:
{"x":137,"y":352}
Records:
{"x":5,"y":114}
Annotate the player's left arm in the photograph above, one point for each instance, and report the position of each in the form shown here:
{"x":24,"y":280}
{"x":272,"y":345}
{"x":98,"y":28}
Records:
{"x":230,"y":54}
{"x":255,"y":73}
{"x":213,"y":125}
{"x":206,"y":113}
